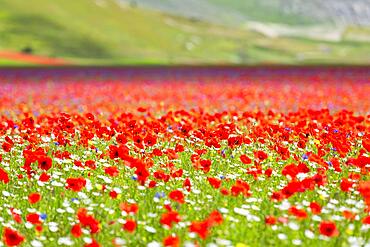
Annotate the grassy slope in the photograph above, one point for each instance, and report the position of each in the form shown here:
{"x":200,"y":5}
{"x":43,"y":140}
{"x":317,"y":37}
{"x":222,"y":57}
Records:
{"x":264,"y":11}
{"x":87,"y":33}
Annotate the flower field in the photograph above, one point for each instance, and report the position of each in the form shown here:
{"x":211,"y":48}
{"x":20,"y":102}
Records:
{"x":185,"y":157}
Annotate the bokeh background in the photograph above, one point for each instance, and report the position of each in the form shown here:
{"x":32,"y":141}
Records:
{"x":116,"y":32}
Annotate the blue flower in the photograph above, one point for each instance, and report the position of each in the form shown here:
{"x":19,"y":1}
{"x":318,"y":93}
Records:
{"x":159,"y":195}
{"x":305,"y":157}
{"x":43,"y":216}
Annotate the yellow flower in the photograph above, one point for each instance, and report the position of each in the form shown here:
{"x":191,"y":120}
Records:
{"x":241,"y":245}
{"x":99,"y":186}
{"x":349,"y":231}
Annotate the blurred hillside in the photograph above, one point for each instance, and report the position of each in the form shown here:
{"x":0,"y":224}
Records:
{"x":340,"y":12}
{"x":185,"y":31}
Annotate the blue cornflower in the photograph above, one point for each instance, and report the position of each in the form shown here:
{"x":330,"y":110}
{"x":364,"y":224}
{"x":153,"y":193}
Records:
{"x":43,"y":216}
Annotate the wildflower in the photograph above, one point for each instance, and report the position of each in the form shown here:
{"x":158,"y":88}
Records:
{"x":328,"y":229}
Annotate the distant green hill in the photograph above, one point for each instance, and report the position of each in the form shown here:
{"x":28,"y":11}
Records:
{"x":112,"y":32}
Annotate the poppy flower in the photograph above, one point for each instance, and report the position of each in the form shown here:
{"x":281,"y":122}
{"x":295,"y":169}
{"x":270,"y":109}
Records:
{"x":150,"y":140}
{"x":44,"y":177}
{"x":88,"y":220}
{"x":315,"y":208}
{"x":348,"y":215}
{"x":177,"y":196}
{"x":7,"y":146}
{"x":16,"y":217}
{"x":215,"y":218}
{"x":270,"y":220}
{"x":33,"y":218}
{"x":129,"y":226}
{"x":113,"y":194}
{"x":129,"y":208}
{"x":76,"y":230}
{"x":187,"y":184}
{"x":200,"y":227}
{"x":4,"y":176}
{"x":171,"y":241}
{"x":328,"y":229}
{"x":170,"y":218}
{"x":93,"y":243}
{"x":366,"y":220}
{"x":12,"y":237}
{"x":245,"y":159}
{"x":299,"y":213}
{"x":90,"y":164}
{"x":76,"y":184}
{"x":261,"y":155}
{"x":215,"y":182}
{"x":34,"y":198}
{"x":112,"y":171}
{"x":44,"y":162}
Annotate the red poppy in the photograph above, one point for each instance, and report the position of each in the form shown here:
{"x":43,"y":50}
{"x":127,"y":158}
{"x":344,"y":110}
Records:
{"x":177,"y":196}
{"x":199,"y":227}
{"x":348,"y":215}
{"x":291,"y":170}
{"x":270,"y":220}
{"x":44,"y":162}
{"x":187,"y":184}
{"x":169,"y":218}
{"x":76,"y":184}
{"x":16,"y":217}
{"x":7,"y":146}
{"x":299,"y":213}
{"x":112,"y":171}
{"x":90,"y":164}
{"x":4,"y":176}
{"x":44,"y":177}
{"x":261,"y":155}
{"x":215,"y":182}
{"x":328,"y":229}
{"x":88,"y":220}
{"x":129,"y":225}
{"x":129,"y":208}
{"x":33,"y":218}
{"x":12,"y":237}
{"x":34,"y":198}
{"x":141,"y":172}
{"x":205,"y":165}
{"x":93,"y":243}
{"x":150,"y":140}
{"x":215,"y":218}
{"x":76,"y":230}
{"x":315,"y":208}
{"x":268,"y":172}
{"x":366,"y":220}
{"x":113,"y":194}
{"x":245,"y":159}
{"x":171,"y":241}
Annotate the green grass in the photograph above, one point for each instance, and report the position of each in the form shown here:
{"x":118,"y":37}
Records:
{"x":86,"y":33}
